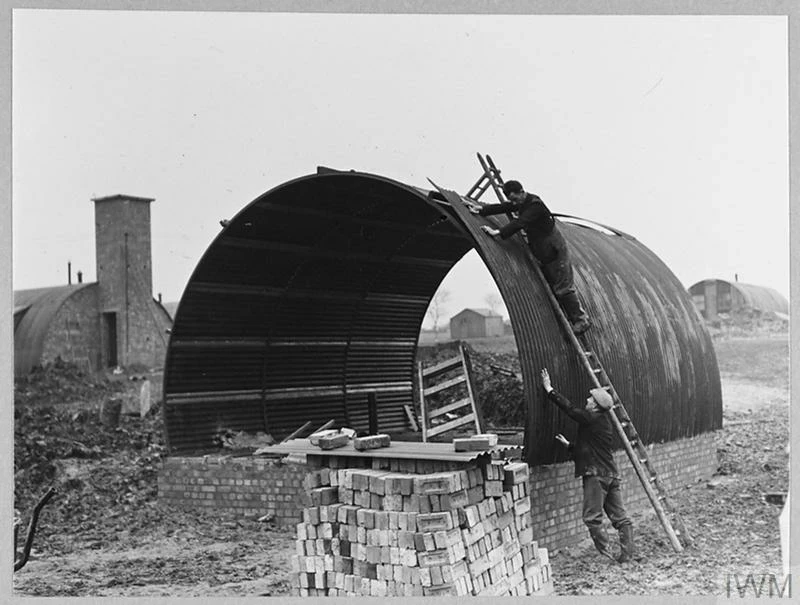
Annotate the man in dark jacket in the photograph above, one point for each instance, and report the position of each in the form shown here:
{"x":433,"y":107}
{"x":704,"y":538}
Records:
{"x":546,"y":243}
{"x":594,"y":463}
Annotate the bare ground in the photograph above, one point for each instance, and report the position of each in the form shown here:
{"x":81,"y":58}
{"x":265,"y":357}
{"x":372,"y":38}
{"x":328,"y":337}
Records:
{"x":125,"y":544}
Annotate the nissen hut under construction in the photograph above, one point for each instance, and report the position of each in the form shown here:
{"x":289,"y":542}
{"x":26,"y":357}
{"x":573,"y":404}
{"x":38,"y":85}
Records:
{"x":309,"y":303}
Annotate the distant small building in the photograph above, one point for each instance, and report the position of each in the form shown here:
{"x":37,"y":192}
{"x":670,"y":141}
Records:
{"x":715,"y":296}
{"x":476,"y":323}
{"x":111,"y":322}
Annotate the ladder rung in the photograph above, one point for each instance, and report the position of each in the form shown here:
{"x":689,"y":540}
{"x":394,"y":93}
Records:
{"x":447,"y":426}
{"x":448,"y":364}
{"x":445,"y":385}
{"x":642,"y":460}
{"x":449,"y":407}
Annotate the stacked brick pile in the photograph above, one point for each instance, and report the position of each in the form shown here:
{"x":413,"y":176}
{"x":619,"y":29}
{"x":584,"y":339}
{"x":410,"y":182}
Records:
{"x":381,"y":533}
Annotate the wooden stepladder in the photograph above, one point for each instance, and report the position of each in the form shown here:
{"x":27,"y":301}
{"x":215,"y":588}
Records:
{"x":447,"y":388}
{"x":665,"y":509}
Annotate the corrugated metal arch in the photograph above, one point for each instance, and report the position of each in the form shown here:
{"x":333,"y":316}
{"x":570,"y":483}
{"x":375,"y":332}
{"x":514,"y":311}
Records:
{"x":759,"y":298}
{"x":313,"y":296}
{"x":34,"y":311}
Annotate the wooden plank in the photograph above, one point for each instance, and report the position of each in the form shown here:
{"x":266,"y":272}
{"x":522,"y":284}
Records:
{"x":445,"y":385}
{"x":297,"y":432}
{"x":449,"y":407}
{"x":476,"y":409}
{"x":407,"y":450}
{"x":449,"y":426}
{"x":325,"y":426}
{"x":443,"y":366}
{"x":423,"y":404}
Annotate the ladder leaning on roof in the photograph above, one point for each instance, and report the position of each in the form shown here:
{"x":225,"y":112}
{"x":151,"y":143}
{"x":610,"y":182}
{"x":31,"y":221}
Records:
{"x":665,"y":509}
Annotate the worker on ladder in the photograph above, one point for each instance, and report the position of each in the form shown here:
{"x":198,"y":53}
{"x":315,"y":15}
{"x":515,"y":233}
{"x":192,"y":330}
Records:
{"x":545,"y":242}
{"x":594,"y":463}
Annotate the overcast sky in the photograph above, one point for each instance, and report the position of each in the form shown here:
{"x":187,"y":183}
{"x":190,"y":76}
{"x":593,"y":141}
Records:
{"x":673,"y":129}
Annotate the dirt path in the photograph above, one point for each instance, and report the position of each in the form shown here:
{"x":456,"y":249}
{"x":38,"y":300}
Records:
{"x":185,"y":566}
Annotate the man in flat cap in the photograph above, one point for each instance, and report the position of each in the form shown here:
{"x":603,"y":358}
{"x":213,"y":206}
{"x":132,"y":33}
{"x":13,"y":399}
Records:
{"x":546,"y":243}
{"x":594,"y":463}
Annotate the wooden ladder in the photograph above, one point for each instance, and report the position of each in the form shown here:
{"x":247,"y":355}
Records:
{"x":665,"y":509}
{"x":428,"y":387}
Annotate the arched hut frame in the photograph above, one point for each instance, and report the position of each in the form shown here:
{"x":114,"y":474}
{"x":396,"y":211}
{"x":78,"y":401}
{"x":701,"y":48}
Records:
{"x":312,"y":298}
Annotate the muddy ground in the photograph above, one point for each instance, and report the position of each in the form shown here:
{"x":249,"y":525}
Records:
{"x":106,"y":535}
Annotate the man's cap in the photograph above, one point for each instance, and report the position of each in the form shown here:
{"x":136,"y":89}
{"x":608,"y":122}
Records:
{"x":510,"y":187}
{"x":602,"y":398}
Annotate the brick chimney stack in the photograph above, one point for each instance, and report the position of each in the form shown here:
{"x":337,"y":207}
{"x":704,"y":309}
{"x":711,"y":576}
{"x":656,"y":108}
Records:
{"x":125,"y":277}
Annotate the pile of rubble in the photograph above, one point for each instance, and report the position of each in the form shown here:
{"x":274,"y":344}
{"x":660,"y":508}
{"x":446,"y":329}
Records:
{"x":61,"y":442}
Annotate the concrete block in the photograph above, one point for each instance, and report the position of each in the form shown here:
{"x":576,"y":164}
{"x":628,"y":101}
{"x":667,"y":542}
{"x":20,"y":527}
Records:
{"x":372,"y":442}
{"x":473,"y":444}
{"x":441,"y":590}
{"x":435,"y":521}
{"x":393,"y":502}
{"x":458,"y":499}
{"x":435,"y":483}
{"x":332,"y":442}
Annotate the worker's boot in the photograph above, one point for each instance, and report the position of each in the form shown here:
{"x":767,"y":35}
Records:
{"x":600,"y":539}
{"x":627,"y":546}
{"x":580,"y":326}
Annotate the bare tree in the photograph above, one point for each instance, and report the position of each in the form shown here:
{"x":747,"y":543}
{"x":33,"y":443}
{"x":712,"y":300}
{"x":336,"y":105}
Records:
{"x":494,"y":302}
{"x":437,"y":309}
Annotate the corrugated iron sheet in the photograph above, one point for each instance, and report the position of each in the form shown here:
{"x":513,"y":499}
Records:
{"x":314,"y":294}
{"x":646,"y":333}
{"x":308,"y":301}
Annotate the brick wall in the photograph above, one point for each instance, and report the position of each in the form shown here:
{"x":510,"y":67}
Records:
{"x":251,"y":486}
{"x":257,"y":486}
{"x":557,"y":496}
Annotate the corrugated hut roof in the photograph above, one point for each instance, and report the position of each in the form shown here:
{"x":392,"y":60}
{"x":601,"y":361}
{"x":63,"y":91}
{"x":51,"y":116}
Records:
{"x":484,"y":312}
{"x":760,"y":298}
{"x":34,"y":310}
{"x":313,"y":296}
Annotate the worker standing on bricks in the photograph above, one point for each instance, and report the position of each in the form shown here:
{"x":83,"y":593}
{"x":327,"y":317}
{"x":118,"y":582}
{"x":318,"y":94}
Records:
{"x":594,"y":463}
{"x":545,"y":242}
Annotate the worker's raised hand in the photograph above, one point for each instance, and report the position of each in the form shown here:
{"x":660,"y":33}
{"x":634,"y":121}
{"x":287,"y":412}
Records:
{"x":489,"y":230}
{"x":562,"y":439}
{"x":546,"y":380}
